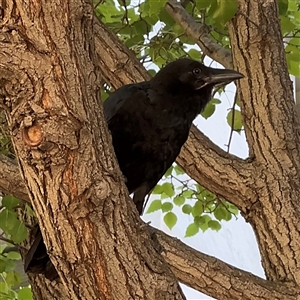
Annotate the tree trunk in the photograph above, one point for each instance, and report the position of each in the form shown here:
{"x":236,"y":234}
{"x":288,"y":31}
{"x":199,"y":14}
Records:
{"x":265,"y":187}
{"x":93,"y":234}
{"x":272,"y":130}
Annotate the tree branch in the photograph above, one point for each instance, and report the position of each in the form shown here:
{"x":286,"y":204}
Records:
{"x":199,"y":33}
{"x":224,"y":174}
{"x":217,"y":278}
{"x":189,"y":265}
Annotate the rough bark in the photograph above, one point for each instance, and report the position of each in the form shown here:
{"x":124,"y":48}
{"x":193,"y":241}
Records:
{"x":205,"y":273}
{"x":271,"y":206}
{"x":272,"y":130}
{"x":50,"y":90}
{"x":218,"y":279}
{"x":10,"y":180}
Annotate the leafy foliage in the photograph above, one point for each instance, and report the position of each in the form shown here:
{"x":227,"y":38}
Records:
{"x":148,"y":30}
{"x":10,"y":224}
{"x":9,"y":278}
{"x":206,"y":210}
{"x":14,"y":231}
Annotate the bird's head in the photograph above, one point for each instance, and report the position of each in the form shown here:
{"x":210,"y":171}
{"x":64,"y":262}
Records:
{"x":194,"y":75}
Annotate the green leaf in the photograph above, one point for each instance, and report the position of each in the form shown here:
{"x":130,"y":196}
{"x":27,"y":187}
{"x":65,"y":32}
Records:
{"x":167,"y":206}
{"x":295,"y":18}
{"x":188,"y":194}
{"x":214,"y":225}
{"x":195,"y":54}
{"x":225,"y":11}
{"x":3,"y":288}
{"x":10,"y":202}
{"x":132,"y":15}
{"x":215,"y":101}
{"x":156,"y":6}
{"x":221,"y":213}
{"x":169,"y":171}
{"x":236,"y":122}
{"x":187,"y":209}
{"x":13,"y":255}
{"x":151,"y":20}
{"x":163,"y":196}
{"x":2,"y":247}
{"x":179,"y":200}
{"x":197,"y":209}
{"x":104,"y":95}
{"x":208,"y":111}
{"x":8,"y":220}
{"x":2,"y":264}
{"x":203,"y":222}
{"x":25,"y":294}
{"x":233,"y":209}
{"x":155,"y":205}
{"x":152,"y":72}
{"x":191,"y":230}
{"x":293,"y":5}
{"x":166,"y":18}
{"x":168,"y":189}
{"x":157,"y":190}
{"x":6,"y":265}
{"x":141,"y":27}
{"x":178,"y":170}
{"x":170,"y":220}
{"x":283,"y":6}
{"x":286,"y":24}
{"x":201,"y":4}
{"x":19,"y":232}
{"x":135,"y":40}
{"x":13,"y":278}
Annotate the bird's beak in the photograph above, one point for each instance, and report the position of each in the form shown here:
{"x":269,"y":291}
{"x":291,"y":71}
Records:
{"x":219,"y":76}
{"x":222,"y":76}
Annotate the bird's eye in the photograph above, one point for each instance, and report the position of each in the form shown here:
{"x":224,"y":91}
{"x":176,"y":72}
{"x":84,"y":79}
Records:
{"x":196,"y":71}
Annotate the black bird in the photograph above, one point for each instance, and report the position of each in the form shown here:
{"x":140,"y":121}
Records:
{"x":149,"y":123}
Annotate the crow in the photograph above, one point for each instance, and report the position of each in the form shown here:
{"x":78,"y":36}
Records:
{"x":149,"y":123}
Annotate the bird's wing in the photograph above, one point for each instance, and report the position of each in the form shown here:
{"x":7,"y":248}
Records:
{"x":125,"y":112}
{"x":128,"y":95}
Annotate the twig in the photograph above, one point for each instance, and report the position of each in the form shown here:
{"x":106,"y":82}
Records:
{"x":232,"y":123}
{"x":11,"y":242}
{"x":199,"y":33}
{"x":99,"y":2}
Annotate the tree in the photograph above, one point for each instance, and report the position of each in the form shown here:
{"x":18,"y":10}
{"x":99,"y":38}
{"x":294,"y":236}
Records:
{"x":50,"y":78}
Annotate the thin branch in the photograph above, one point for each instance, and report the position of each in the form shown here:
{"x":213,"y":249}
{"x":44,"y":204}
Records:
{"x":199,"y":33}
{"x":232,"y":123}
{"x":6,"y":240}
{"x":217,"y":278}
